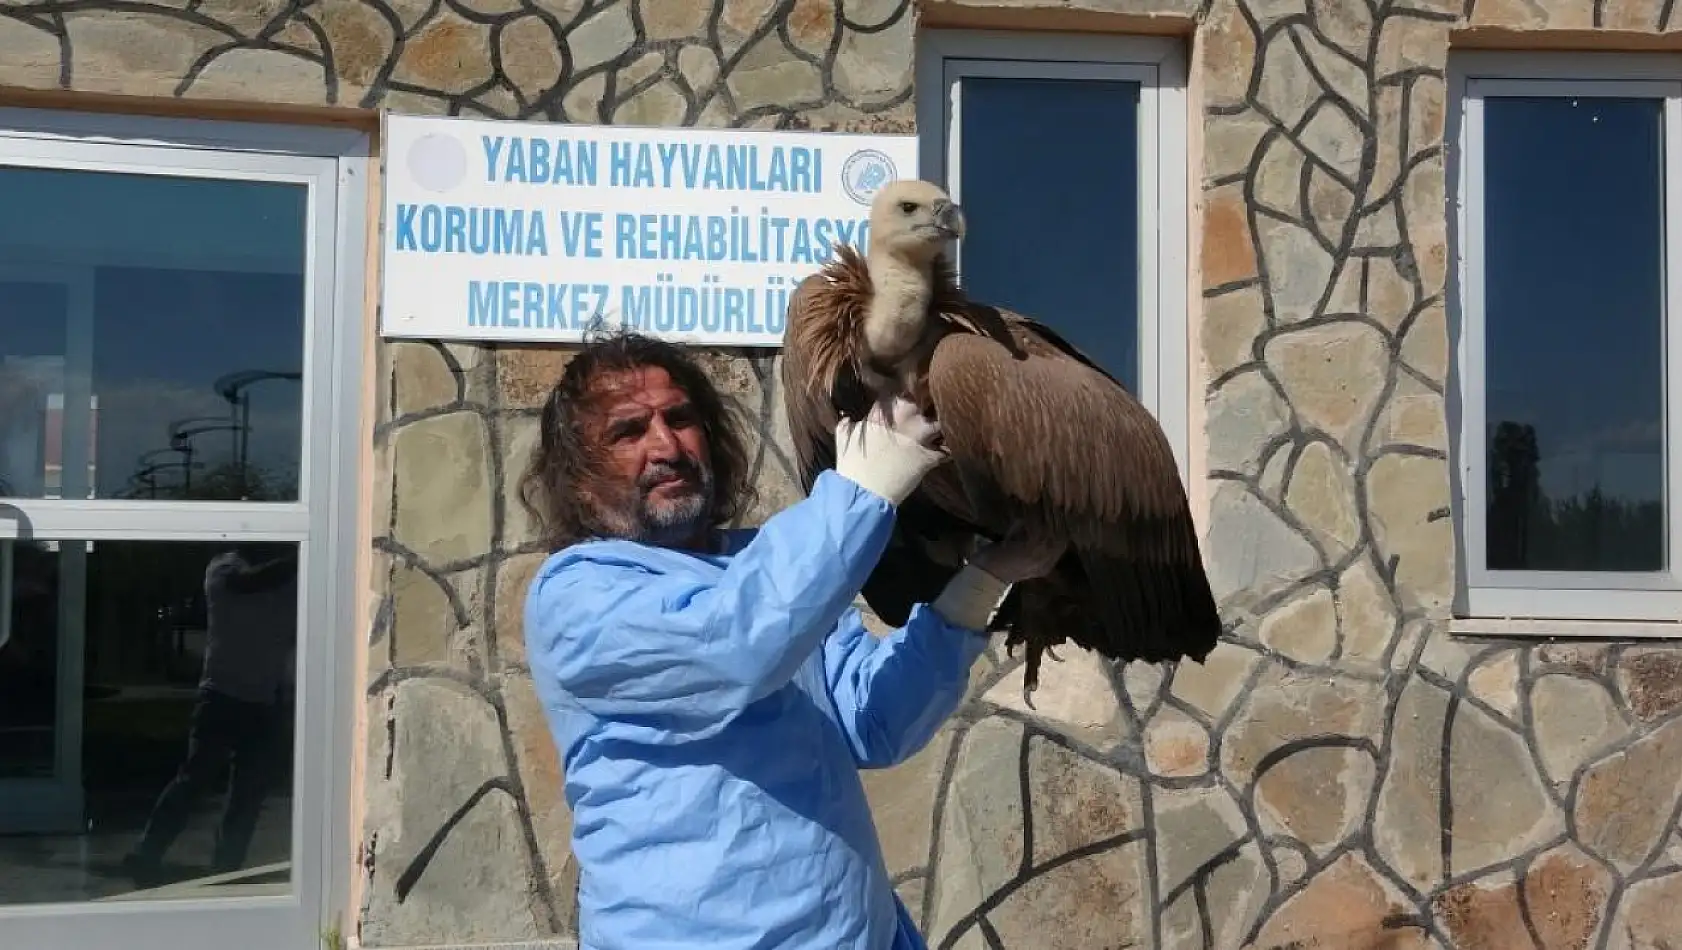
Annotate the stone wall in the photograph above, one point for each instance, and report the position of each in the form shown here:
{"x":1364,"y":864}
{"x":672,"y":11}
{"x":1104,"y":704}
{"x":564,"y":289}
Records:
{"x":1341,"y":773}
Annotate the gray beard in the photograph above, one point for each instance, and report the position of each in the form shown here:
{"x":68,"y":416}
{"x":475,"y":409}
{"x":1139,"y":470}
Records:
{"x":666,"y":523}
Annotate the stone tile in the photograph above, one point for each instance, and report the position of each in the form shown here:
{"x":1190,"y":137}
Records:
{"x":513,"y":578}
{"x":282,"y":76}
{"x":1482,"y":916}
{"x":1212,"y":686}
{"x":1285,"y":706}
{"x":1322,"y":496}
{"x":1500,"y":807}
{"x":422,"y":380}
{"x":443,"y":489}
{"x":1277,"y":174}
{"x":1244,"y":415}
{"x":361,"y":38}
{"x":476,"y":886}
{"x":1228,"y":48}
{"x":1366,"y":616}
{"x":424,"y":624}
{"x":1303,"y":629}
{"x":1566,"y":893}
{"x":1647,"y":915}
{"x":1261,"y":553}
{"x":902,"y":803}
{"x":1333,"y":375}
{"x":1287,"y":88}
{"x":449,"y":54}
{"x":811,"y":25}
{"x":541,"y":778}
{"x":1495,"y":682}
{"x":1404,"y":494}
{"x":531,"y":55}
{"x":1176,"y":746}
{"x":1317,"y":795}
{"x":1625,"y":801}
{"x":1231,"y":323}
{"x":872,"y":68}
{"x":1228,"y":252}
{"x":519,"y":438}
{"x":1413,"y":415}
{"x":1051,"y":910}
{"x":1346,"y":905}
{"x":1077,"y":702}
{"x":32,"y":55}
{"x":1076,"y":802}
{"x":1408,"y":823}
{"x":981,"y":839}
{"x":1574,"y":721}
{"x":673,"y":19}
{"x":1651,"y":681}
{"x":445,"y":745}
{"x":606,"y":35}
{"x":1193,"y":826}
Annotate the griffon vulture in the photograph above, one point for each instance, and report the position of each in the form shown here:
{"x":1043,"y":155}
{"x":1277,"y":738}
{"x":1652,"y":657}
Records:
{"x":1039,"y":438}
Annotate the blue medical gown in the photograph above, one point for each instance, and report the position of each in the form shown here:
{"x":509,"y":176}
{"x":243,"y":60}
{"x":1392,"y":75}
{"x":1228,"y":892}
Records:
{"x":712,"y":713}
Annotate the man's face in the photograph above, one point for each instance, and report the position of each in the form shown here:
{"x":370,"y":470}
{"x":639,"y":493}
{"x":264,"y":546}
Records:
{"x":654,"y":448}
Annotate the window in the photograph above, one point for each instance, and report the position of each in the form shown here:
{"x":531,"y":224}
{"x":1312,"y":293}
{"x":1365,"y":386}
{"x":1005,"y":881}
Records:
{"x":1567,"y":187}
{"x":180,"y":339}
{"x":1075,"y":146}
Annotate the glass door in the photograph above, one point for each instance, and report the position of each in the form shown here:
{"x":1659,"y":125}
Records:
{"x":178,"y":336}
{"x":45,"y":452}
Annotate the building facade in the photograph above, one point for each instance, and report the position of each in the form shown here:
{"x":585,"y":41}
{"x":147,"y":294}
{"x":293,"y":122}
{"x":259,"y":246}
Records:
{"x":1358,"y":233}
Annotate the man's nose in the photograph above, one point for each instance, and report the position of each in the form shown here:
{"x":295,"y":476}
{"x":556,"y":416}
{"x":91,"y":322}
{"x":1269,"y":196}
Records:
{"x":662,"y":441}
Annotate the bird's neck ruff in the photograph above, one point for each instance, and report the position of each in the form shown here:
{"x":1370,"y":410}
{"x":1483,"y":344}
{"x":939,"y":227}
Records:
{"x":845,"y":296}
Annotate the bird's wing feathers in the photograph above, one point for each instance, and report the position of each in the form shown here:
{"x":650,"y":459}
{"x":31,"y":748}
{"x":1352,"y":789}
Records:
{"x":1060,"y":436}
{"x":808,"y":399}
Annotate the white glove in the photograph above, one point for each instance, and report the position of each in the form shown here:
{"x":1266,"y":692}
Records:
{"x":889,"y":452}
{"x":972,"y":595}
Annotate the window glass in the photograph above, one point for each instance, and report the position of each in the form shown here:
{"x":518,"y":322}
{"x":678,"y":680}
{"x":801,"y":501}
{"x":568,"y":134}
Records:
{"x":1049,"y":176}
{"x":151,"y":336}
{"x":1573,"y":329}
{"x":164,"y":768}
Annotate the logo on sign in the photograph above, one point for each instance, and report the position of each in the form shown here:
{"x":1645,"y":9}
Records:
{"x":437,"y":162}
{"x":864,"y":173}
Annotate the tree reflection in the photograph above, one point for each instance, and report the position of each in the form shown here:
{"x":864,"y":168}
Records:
{"x":1587,"y":531}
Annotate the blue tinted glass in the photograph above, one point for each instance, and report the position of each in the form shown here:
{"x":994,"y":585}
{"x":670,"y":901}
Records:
{"x":175,"y":770}
{"x":151,"y":330}
{"x":1049,"y":178}
{"x":1573,"y":334}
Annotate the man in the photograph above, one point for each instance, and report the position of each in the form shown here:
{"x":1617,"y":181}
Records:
{"x":251,"y":598}
{"x":712,"y":692}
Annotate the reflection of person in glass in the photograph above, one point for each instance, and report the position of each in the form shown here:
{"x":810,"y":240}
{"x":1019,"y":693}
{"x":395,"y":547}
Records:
{"x":251,"y":609}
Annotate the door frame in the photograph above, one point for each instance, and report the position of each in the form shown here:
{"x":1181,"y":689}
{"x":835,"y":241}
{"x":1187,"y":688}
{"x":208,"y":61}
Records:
{"x":327,"y":520}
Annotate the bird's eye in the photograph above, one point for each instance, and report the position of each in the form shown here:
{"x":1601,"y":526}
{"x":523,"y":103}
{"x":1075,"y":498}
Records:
{"x":906,"y":207}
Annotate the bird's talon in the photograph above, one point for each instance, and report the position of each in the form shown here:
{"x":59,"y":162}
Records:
{"x":1028,"y":697}
{"x":1053,"y":654}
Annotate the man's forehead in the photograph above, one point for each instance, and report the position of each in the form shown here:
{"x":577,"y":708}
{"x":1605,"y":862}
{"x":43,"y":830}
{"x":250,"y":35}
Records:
{"x":637,"y":391}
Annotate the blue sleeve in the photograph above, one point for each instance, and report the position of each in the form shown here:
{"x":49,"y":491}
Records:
{"x":677,"y":658}
{"x":892,"y":694}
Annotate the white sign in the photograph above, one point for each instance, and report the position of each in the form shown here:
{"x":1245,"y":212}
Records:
{"x":538,"y":232}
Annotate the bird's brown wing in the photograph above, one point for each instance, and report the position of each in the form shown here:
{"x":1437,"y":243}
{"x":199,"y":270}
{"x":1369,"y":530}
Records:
{"x":1063,"y":440}
{"x":809,"y":408}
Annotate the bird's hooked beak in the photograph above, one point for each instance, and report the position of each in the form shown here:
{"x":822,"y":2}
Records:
{"x":949,"y":217}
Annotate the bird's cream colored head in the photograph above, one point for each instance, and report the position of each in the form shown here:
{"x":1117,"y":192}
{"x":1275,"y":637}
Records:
{"x":914,"y":220}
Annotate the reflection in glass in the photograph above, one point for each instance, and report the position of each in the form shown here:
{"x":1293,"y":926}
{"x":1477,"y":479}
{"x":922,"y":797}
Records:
{"x":1049,"y":178}
{"x":1574,"y":334}
{"x":162,"y":766}
{"x":156,"y":355}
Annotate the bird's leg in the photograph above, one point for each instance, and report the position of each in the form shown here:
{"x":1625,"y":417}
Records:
{"x":1031,"y":675}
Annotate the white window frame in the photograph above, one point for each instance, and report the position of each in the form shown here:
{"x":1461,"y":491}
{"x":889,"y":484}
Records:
{"x":1513,"y":602}
{"x":333,"y":162}
{"x":1158,"y":64}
